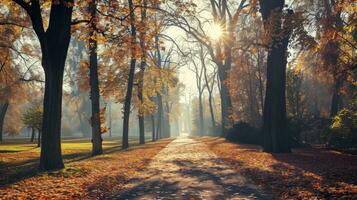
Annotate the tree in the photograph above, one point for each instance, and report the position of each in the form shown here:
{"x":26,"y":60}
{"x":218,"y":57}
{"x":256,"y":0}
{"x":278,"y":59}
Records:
{"x":296,"y":100}
{"x":209,"y":84}
{"x":199,"y":73}
{"x":32,"y":118}
{"x":94,"y":82}
{"x":276,"y":138}
{"x":3,"y":111}
{"x":336,"y":46}
{"x":129,"y":91}
{"x":10,"y":86}
{"x":221,"y":51}
{"x":54,"y":44}
{"x":142,"y":36}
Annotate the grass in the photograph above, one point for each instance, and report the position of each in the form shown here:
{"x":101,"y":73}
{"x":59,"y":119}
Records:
{"x":13,"y":146}
{"x":84,"y":177}
{"x":19,"y":159}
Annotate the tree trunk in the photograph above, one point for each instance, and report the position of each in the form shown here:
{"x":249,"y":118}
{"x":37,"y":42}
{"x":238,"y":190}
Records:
{"x":159,"y":128}
{"x":129,"y":91}
{"x":110,"y":118}
{"x":141,"y":130}
{"x":51,"y":156}
{"x":3,"y":111}
{"x":275,"y":137}
{"x":32,"y":135}
{"x":39,"y":139}
{"x":54,"y":45}
{"x":82,"y":113}
{"x":226,"y":103}
{"x":336,"y":98}
{"x":94,"y":84}
{"x":153,"y":127}
{"x":261,"y":85}
{"x":200,"y":107}
{"x":166,"y":119}
{"x":141,"y":78}
{"x":127,"y":105}
{"x":210,"y":102}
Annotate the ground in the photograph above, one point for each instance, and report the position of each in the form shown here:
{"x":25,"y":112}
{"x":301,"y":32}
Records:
{"x":186,"y":169}
{"x":307,"y":173}
{"x":183,"y":168}
{"x":84,"y":177}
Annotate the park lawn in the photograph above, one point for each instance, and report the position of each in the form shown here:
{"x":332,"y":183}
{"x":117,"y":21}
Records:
{"x":83,"y":177}
{"x":307,"y":173}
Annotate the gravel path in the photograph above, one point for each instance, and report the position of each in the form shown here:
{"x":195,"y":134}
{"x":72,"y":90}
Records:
{"x":186,"y":169}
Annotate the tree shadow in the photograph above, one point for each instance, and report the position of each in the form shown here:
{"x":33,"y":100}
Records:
{"x":12,"y":172}
{"x":192,"y":180}
{"x":305,"y":171}
{"x":331,"y":166}
{"x":16,"y":151}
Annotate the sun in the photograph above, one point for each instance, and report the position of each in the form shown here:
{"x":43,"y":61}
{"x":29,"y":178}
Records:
{"x":215,"y":31}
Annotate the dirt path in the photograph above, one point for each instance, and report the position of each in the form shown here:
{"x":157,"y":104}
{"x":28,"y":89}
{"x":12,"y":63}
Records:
{"x":186,"y":169}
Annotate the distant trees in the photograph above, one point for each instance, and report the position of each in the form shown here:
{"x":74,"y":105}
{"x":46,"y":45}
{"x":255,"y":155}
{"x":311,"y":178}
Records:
{"x":32,"y":118}
{"x":198,"y":69}
{"x":4,"y":106}
{"x":10,"y":84}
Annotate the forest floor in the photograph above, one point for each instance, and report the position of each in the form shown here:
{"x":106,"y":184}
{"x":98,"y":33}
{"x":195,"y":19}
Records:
{"x":184,"y":168}
{"x":84,"y":177}
{"x":307,"y":173}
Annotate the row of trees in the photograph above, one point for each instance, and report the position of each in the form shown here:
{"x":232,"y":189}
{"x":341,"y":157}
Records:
{"x":115,"y":27}
{"x":318,"y":40}
{"x":128,"y":62}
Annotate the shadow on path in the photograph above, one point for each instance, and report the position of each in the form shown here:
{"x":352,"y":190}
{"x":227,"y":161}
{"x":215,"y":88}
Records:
{"x":186,"y":169}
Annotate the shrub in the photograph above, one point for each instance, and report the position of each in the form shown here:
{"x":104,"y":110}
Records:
{"x":344,"y":129}
{"x":244,"y":133}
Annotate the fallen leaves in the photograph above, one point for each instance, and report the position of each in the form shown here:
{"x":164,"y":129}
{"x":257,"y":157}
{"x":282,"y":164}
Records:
{"x":305,"y":174}
{"x":94,"y":178}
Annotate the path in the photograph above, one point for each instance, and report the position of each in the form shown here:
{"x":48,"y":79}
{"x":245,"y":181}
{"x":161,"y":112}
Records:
{"x":186,"y":169}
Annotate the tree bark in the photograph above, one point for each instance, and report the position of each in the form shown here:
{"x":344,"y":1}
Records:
{"x":32,"y":135}
{"x":54,"y":44}
{"x":159,"y":128}
{"x":39,"y":139}
{"x":142,"y":73}
{"x":153,"y":127}
{"x":51,"y":156}
{"x":210,"y":97}
{"x":166,"y":117}
{"x":275,"y":137}
{"x":94,"y":84}
{"x":110,"y":118}
{"x":200,"y":108}
{"x":336,"y":98}
{"x":226,"y":103}
{"x":3,"y":111}
{"x":129,"y":91}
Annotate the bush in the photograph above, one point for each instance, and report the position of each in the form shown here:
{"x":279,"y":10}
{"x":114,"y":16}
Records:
{"x":344,"y":129}
{"x":244,"y":133}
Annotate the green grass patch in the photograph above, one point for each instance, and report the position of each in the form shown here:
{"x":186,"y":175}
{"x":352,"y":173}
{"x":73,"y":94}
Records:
{"x":13,"y":148}
{"x":68,"y":145}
